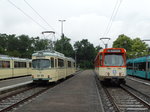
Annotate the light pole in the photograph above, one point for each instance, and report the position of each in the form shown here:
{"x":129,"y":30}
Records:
{"x":62,"y":34}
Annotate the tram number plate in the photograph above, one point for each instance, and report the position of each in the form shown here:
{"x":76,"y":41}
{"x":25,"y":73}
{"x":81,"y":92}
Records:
{"x":40,"y":75}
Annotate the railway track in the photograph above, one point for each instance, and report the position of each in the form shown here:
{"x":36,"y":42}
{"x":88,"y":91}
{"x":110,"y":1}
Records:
{"x":124,"y":100}
{"x":12,"y":101}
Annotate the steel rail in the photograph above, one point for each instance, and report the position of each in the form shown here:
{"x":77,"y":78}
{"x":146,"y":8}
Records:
{"x":135,"y":96}
{"x":112,"y":100}
{"x":24,"y":100}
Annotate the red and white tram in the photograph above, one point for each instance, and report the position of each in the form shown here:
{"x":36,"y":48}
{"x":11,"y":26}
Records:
{"x":110,"y":64}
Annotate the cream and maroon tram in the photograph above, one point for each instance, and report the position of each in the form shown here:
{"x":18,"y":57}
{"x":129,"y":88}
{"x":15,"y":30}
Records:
{"x":110,"y":65}
{"x":51,"y":66}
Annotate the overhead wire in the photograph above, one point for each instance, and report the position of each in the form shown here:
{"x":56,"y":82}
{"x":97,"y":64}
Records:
{"x":40,"y":16}
{"x":111,"y":18}
{"x":26,"y":14}
{"x":114,"y":13}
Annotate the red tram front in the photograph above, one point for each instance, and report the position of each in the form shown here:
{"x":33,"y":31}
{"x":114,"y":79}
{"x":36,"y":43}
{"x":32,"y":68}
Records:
{"x":110,"y":64}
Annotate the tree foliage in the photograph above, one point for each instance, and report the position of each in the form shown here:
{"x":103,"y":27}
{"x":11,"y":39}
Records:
{"x":20,"y":46}
{"x":23,"y":46}
{"x":63,"y":45}
{"x":134,"y":47}
{"x":85,"y":53}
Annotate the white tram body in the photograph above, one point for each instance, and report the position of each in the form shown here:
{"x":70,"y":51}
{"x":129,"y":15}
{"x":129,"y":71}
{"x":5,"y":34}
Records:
{"x":110,"y":64}
{"x":51,"y":66}
{"x":14,"y":67}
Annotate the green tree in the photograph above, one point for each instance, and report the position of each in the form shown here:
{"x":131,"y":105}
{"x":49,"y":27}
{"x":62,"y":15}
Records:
{"x":85,"y":52}
{"x":63,"y":45}
{"x":97,"y":48}
{"x":123,"y":41}
{"x":3,"y":43}
{"x":135,"y":47}
{"x":139,"y":48}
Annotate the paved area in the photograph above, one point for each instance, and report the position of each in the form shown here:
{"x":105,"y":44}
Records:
{"x":76,"y":94}
{"x":14,"y":81}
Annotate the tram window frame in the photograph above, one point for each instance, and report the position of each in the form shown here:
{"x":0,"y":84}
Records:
{"x":129,"y":65}
{"x":140,"y":66}
{"x":61,"y":63}
{"x":30,"y":65}
{"x":69,"y":64}
{"x":52,"y":62}
{"x":74,"y":64}
{"x":148,"y":66}
{"x":55,"y":63}
{"x":4,"y":64}
{"x":18,"y":64}
{"x":101,"y":59}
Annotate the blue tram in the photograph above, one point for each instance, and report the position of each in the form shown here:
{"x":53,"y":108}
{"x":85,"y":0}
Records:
{"x":139,"y":67}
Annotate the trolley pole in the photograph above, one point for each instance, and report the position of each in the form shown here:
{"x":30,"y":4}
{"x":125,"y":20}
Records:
{"x":105,"y":38}
{"x":50,"y":42}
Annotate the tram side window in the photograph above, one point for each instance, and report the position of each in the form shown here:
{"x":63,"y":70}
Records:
{"x":74,"y":64}
{"x":4,"y":64}
{"x":52,"y":62}
{"x":30,"y":64}
{"x":60,"y":63}
{"x":55,"y":62}
{"x":69,"y":63}
{"x":140,"y":66}
{"x":129,"y":65}
{"x":148,"y":66}
{"x":20,"y":64}
{"x":100,"y":59}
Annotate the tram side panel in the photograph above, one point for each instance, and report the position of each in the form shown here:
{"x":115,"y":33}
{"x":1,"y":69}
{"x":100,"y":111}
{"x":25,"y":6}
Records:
{"x":70,"y":68}
{"x":20,"y":68}
{"x":6,"y":69}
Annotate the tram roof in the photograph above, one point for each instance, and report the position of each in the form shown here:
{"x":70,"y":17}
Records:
{"x":49,"y":52}
{"x":136,"y":60}
{"x":6,"y":57}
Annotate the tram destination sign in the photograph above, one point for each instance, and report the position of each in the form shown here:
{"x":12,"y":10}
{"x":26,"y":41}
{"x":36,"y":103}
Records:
{"x":113,"y":50}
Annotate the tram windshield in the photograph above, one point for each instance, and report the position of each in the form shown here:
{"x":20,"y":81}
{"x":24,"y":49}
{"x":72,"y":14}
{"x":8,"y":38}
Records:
{"x":41,"y":63}
{"x":113,"y":60}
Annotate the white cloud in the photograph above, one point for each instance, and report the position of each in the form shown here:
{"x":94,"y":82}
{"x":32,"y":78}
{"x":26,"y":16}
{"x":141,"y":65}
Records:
{"x":84,"y":18}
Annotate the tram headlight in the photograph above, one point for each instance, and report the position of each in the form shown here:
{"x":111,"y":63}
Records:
{"x":121,"y":74}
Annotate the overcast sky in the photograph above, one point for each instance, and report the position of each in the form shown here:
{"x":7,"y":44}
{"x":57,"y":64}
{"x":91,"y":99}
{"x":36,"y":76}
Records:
{"x":85,"y":19}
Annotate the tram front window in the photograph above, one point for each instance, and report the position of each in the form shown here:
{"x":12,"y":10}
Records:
{"x":113,"y":60}
{"x":41,"y":63}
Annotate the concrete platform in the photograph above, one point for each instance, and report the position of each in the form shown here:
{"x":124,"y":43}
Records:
{"x":8,"y":84}
{"x":76,"y":94}
{"x":14,"y":81}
